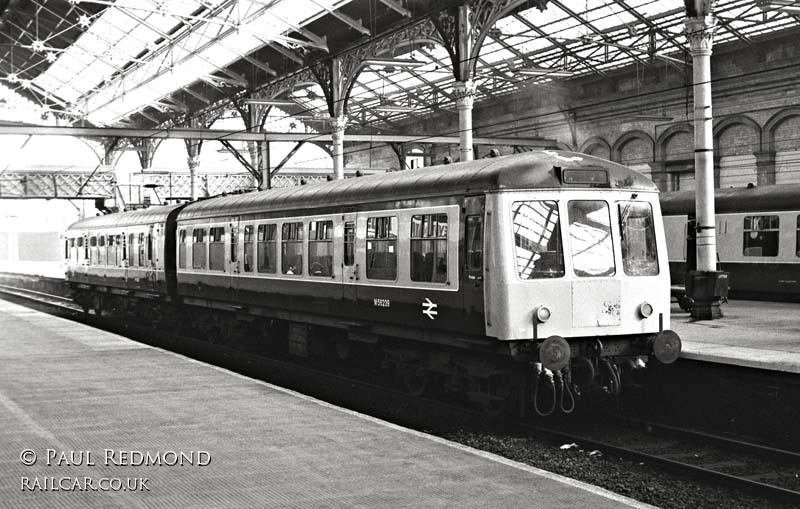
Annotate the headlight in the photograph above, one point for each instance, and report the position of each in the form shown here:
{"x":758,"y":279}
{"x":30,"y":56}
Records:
{"x":542,"y":314}
{"x":645,"y":309}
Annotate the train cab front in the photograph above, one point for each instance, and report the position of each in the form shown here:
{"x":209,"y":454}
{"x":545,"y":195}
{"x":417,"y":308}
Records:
{"x":584,"y":283}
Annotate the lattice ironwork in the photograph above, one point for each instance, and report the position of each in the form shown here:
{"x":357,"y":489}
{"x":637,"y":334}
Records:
{"x":66,"y":185}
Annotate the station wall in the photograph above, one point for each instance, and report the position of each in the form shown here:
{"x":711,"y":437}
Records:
{"x":642,"y":116}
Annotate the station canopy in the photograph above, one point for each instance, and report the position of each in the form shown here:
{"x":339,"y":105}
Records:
{"x":145,"y":63}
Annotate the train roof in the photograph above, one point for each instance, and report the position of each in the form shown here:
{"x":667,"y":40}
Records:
{"x":529,"y":170}
{"x":736,"y":199}
{"x":157,"y":214}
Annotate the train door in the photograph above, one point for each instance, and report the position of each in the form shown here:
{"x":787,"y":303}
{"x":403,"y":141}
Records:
{"x":234,"y":256}
{"x":350,"y":267}
{"x":150,"y":258}
{"x":472,"y":270}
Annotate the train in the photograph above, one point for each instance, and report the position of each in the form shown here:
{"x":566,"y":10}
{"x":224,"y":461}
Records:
{"x":758,"y":239}
{"x":529,"y":280}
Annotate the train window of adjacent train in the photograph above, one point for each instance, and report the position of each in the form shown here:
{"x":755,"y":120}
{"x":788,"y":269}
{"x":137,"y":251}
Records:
{"x":216,"y":248}
{"x":382,"y":248}
{"x":182,"y":249}
{"x":199,"y":248}
{"x":537,"y":239}
{"x":429,"y":248}
{"x":590,"y":238}
{"x":474,"y":243}
{"x":761,"y":235}
{"x":639,"y":255}
{"x":349,"y":243}
{"x":320,"y":248}
{"x":248,"y":248}
{"x":267,"y":248}
{"x":292,"y":248}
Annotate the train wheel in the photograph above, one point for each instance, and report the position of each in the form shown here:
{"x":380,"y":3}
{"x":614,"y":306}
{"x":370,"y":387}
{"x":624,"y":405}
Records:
{"x":500,"y":396}
{"x":415,"y":379}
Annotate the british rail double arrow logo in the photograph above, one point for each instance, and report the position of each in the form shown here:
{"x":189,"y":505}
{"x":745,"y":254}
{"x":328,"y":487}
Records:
{"x":429,"y":308}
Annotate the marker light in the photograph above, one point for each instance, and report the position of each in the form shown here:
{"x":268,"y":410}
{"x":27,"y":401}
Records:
{"x":645,"y":309}
{"x":542,"y":314}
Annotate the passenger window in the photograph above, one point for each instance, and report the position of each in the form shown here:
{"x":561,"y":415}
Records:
{"x":474,"y":243}
{"x":761,"y":235}
{"x":140,"y":250}
{"x":267,"y":249}
{"x":320,"y":248}
{"x":150,"y":247}
{"x":382,"y":248}
{"x":182,"y":250}
{"x":66,"y":249}
{"x":199,"y":248}
{"x":537,"y":239}
{"x":349,"y":243}
{"x":80,"y":241}
{"x":134,"y":255}
{"x":590,"y":239}
{"x":292,"y":248}
{"x":121,"y":242}
{"x":248,"y":248}
{"x":639,"y":254}
{"x":216,"y":248}
{"x":112,"y":251}
{"x":429,"y":248}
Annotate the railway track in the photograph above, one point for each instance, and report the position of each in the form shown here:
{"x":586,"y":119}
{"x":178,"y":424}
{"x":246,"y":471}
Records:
{"x":763,"y":471}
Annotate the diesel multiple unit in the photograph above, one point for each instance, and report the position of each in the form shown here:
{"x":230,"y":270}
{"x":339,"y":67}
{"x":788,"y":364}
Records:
{"x":536,"y":275}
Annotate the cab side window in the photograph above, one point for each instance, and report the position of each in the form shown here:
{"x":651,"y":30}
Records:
{"x":474,"y":244}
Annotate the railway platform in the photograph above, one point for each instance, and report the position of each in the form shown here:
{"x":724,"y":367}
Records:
{"x":755,"y":334}
{"x":95,"y":405}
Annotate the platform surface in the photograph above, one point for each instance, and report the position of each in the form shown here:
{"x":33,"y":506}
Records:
{"x":67,"y":387}
{"x":757,"y":334}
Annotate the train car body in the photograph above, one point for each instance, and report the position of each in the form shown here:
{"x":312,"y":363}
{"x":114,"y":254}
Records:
{"x":758,"y":238}
{"x":546,"y":256}
{"x":128,"y":252}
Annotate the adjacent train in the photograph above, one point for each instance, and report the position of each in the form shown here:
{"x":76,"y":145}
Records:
{"x":525,"y":279}
{"x":758,"y":238}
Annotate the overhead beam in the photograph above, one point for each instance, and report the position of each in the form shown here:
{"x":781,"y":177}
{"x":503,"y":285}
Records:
{"x":395,"y":6}
{"x":219,"y":135}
